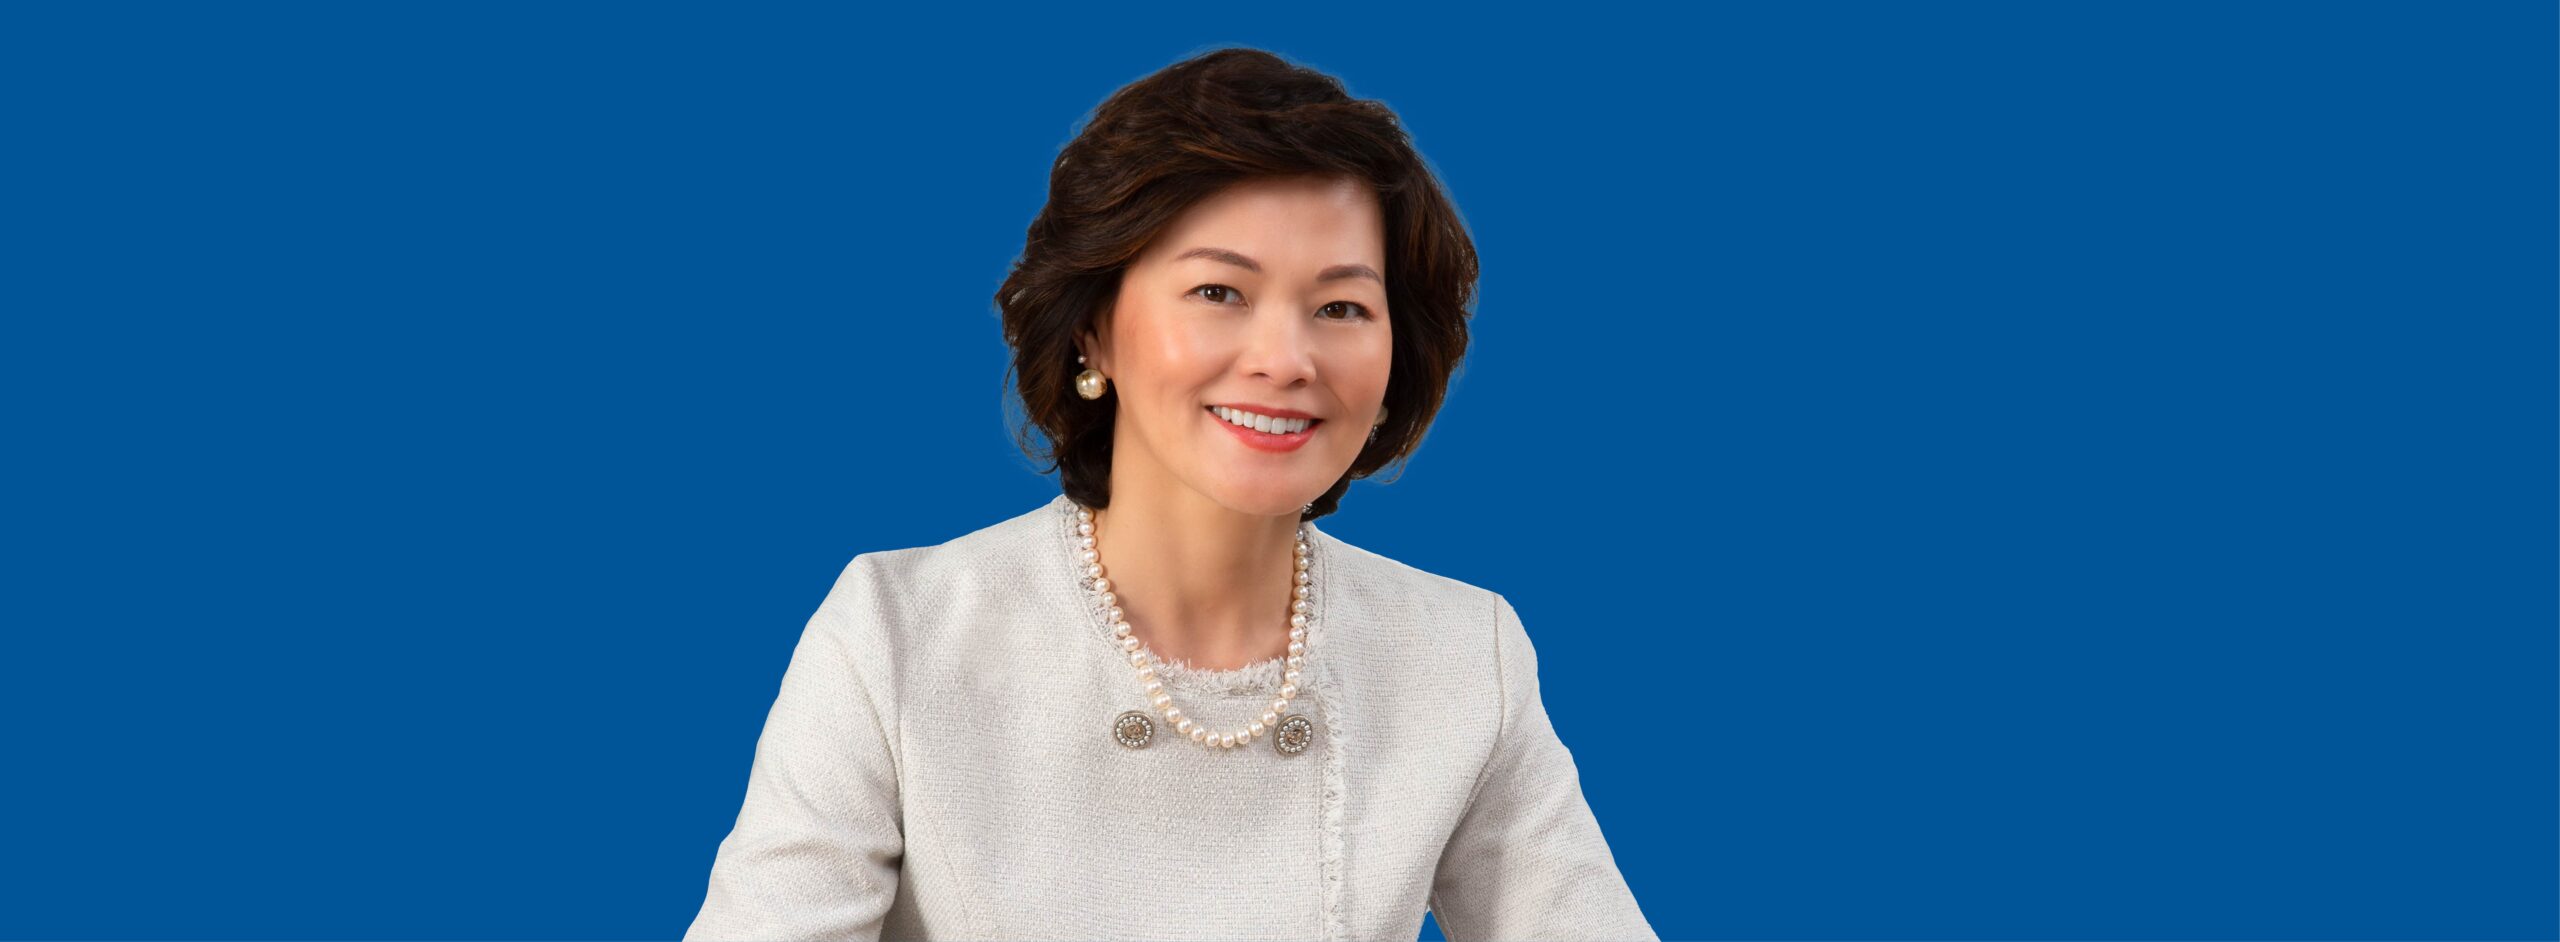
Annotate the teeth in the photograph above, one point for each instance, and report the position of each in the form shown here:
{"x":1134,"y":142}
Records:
{"x":1262,"y":423}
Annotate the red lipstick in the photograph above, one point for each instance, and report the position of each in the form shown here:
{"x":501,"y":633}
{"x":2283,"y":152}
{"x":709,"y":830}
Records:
{"x":1267,"y":441}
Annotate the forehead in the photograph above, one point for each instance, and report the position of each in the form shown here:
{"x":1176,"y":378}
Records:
{"x":1282,"y":221}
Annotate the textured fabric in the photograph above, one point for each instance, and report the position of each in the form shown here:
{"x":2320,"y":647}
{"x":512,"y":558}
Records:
{"x":939,"y":764}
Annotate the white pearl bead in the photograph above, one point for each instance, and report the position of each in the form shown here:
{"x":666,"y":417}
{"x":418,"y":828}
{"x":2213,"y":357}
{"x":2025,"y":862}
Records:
{"x":1137,"y":658}
{"x":1288,"y":690}
{"x":1280,"y":706}
{"x":1117,"y":614}
{"x":1084,"y":527}
{"x":1130,"y":643}
{"x":1199,"y":734}
{"x":1121,"y":628}
{"x":1297,"y":661}
{"x":1270,"y":719}
{"x":1301,"y":591}
{"x":1101,"y":584}
{"x":1162,"y":700}
{"x":1297,"y":647}
{"x":1290,"y":676}
{"x":1298,"y":620}
{"x":1226,"y":740}
{"x":1304,"y":579}
{"x":1186,"y":726}
{"x":1110,"y":599}
{"x":1298,"y":634}
{"x":1257,"y":728}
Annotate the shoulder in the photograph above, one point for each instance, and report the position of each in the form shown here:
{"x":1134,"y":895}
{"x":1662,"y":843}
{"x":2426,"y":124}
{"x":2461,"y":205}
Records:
{"x":881,"y":596}
{"x":1398,"y":613}
{"x":1357,"y":570}
{"x":994,"y":553}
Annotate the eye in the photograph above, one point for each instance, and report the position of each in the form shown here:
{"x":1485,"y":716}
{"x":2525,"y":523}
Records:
{"x":1221,"y":294}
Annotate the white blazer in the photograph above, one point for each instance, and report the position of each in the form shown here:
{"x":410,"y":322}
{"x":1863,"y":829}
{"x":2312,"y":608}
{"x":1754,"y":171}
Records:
{"x":941,"y":764}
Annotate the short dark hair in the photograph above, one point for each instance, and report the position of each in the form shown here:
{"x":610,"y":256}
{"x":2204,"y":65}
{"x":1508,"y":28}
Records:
{"x":1164,"y":142}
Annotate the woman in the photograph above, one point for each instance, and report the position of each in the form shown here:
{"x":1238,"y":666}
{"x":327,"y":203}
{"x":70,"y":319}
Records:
{"x":1165,"y":704}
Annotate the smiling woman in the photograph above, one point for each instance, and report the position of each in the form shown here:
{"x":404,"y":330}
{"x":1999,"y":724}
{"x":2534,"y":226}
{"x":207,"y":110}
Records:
{"x":1246,"y":291}
{"x":1242,"y":302}
{"x":1190,"y":180}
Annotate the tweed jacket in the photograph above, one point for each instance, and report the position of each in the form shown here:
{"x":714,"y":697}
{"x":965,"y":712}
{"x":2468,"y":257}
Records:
{"x":943,"y":761}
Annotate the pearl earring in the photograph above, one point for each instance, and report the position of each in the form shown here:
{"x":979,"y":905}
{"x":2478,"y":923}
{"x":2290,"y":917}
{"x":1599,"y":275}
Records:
{"x":1090,"y":383}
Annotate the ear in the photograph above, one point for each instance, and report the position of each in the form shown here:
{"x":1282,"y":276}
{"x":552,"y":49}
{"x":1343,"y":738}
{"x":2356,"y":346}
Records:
{"x":1093,"y":339}
{"x":1091,"y":347}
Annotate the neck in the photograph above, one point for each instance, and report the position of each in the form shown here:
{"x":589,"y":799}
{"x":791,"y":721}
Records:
{"x":1199,"y":582}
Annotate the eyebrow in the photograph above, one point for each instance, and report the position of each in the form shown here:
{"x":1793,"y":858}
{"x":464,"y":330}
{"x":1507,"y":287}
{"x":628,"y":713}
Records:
{"x":1239,"y":260}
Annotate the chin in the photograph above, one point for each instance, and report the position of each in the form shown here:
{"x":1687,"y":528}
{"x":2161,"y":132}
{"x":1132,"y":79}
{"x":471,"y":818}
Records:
{"x":1276,"y":502}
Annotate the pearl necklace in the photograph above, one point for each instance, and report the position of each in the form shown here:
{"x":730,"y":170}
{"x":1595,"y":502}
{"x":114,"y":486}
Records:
{"x":1135,"y":728}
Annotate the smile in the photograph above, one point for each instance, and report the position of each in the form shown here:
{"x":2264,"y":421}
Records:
{"x":1263,"y":432}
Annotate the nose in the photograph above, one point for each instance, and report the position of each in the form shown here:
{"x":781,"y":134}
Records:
{"x":1280,"y":348}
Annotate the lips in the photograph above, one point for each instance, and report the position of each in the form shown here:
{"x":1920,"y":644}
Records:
{"x":1265,"y":441}
{"x":1257,"y":408}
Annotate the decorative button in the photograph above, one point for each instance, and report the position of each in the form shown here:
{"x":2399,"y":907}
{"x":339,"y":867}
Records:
{"x":1293,"y":734}
{"x":1134,"y":729}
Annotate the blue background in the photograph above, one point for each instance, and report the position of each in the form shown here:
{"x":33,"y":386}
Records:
{"x":1972,"y":471}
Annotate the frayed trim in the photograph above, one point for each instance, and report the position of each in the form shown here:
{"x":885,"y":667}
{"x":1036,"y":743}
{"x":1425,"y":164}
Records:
{"x":1327,"y":685}
{"x":1262,"y":677}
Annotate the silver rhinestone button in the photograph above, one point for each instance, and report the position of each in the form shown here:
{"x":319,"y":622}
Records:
{"x":1293,"y":734}
{"x":1134,"y":729}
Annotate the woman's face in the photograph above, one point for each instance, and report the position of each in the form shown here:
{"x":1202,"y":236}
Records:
{"x":1267,"y":296}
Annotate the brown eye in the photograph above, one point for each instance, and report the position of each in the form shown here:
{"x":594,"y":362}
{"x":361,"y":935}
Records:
{"x":1215,"y":292}
{"x":1363,"y":312}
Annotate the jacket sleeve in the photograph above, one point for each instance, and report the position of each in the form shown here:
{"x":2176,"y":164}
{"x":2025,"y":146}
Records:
{"x":1527,"y":860}
{"x":817,"y":846}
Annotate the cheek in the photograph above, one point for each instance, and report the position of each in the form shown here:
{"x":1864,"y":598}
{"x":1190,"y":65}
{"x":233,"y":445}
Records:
{"x":1374,"y":371}
{"x":1181,"y":365}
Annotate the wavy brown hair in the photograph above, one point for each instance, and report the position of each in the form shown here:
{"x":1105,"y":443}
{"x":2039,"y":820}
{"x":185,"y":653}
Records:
{"x":1164,"y":142}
